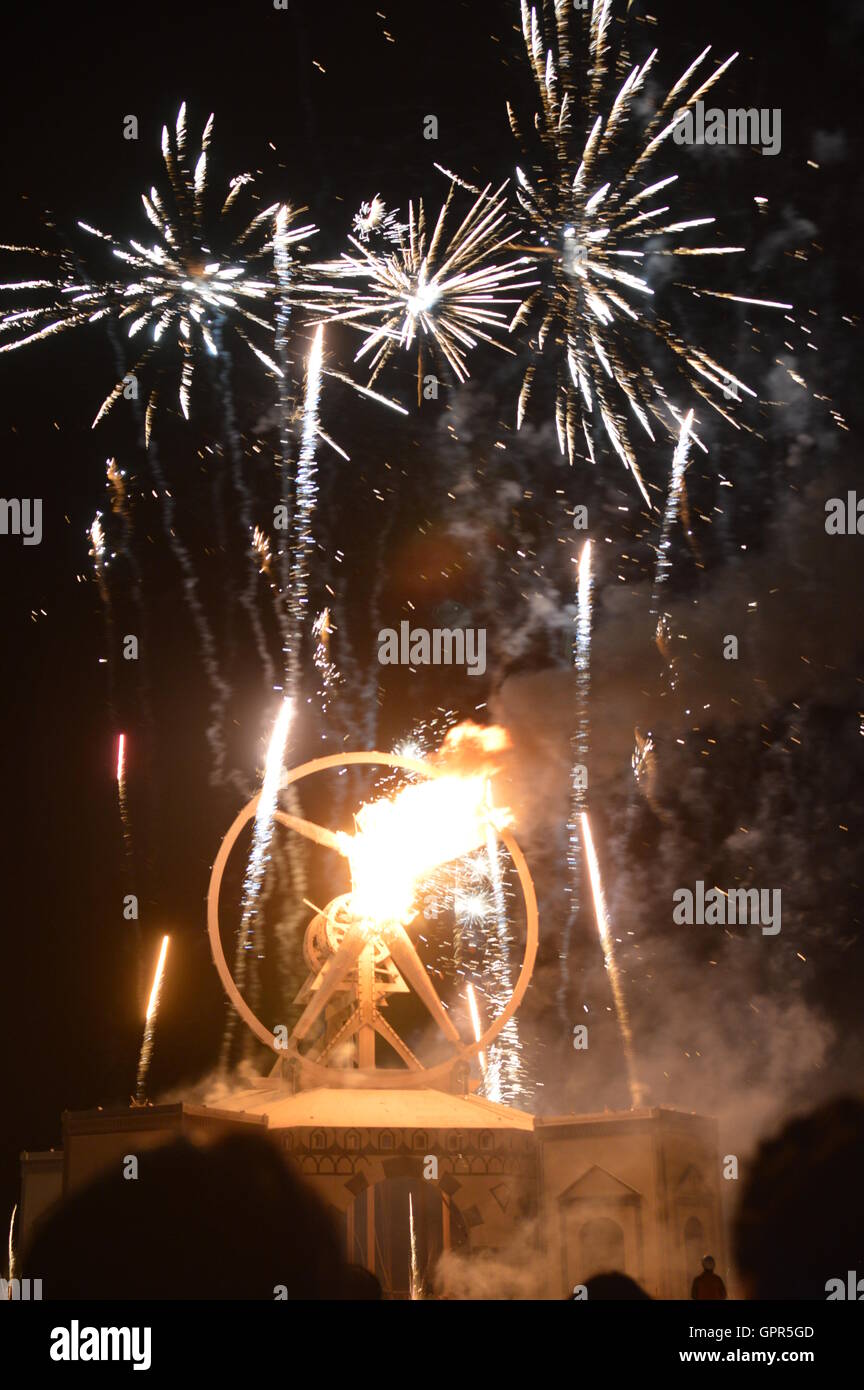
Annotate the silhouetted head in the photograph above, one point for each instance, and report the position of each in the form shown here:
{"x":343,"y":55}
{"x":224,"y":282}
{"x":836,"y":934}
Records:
{"x":360,"y":1283}
{"x":708,"y":1263}
{"x":800,"y":1221}
{"x":614,"y":1285}
{"x":226,"y":1221}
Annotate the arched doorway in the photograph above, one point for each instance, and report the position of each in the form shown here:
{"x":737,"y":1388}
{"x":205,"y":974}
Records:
{"x":387,"y":1208}
{"x":601,"y":1247}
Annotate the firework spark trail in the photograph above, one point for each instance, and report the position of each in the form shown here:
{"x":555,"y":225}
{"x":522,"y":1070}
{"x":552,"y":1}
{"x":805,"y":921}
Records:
{"x":602,"y":918}
{"x":414,"y":1291}
{"x":126,"y":828}
{"x":599,"y":233}
{"x":674,"y":501}
{"x":477,"y":1026}
{"x":303,"y":540}
{"x":11,"y":1244}
{"x":579,"y":746}
{"x":104,"y":565}
{"x":296,"y":557}
{"x":322,"y":629}
{"x":150,"y":1024}
{"x":259,"y":858}
{"x":116,"y":483}
{"x":284,"y":267}
{"x":220,"y":691}
{"x":248,"y":595}
{"x":644,"y":764}
{"x":121,"y":794}
{"x":124,"y":550}
{"x":673,"y":506}
{"x":447,"y":293}
{"x":506,"y":1081}
{"x":367,"y":684}
{"x":473,"y":906}
{"x":99,"y":555}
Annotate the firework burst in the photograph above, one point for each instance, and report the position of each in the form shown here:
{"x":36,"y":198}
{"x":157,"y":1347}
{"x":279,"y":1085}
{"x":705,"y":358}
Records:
{"x":179,"y":294}
{"x":374,"y":220}
{"x":602,"y":223}
{"x":432,"y":292}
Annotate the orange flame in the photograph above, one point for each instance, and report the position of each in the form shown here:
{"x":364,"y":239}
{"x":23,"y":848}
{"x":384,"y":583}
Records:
{"x":400,"y":839}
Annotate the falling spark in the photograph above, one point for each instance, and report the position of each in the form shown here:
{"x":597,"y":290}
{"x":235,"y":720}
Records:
{"x":600,"y":226}
{"x":261,"y":546}
{"x":327,"y":672}
{"x":150,"y":1023}
{"x":602,"y":919}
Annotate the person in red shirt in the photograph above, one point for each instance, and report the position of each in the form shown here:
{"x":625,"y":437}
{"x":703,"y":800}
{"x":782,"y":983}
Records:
{"x":708,"y":1284}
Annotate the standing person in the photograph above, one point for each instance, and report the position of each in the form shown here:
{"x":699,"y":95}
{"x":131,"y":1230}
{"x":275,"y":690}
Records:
{"x":708,"y":1284}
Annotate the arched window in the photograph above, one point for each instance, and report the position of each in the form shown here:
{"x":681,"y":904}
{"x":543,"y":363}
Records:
{"x":601,"y":1247}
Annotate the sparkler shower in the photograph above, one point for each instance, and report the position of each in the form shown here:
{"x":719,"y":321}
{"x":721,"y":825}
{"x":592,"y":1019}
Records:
{"x":150,"y":1023}
{"x":403,"y":300}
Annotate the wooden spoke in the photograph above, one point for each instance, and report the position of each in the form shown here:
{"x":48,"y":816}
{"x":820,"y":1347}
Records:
{"x":331,"y":977}
{"x":409,"y":964}
{"x":319,"y":833}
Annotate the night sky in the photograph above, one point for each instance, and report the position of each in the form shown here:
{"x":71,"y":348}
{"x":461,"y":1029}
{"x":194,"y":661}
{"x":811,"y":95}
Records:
{"x":428,"y":520}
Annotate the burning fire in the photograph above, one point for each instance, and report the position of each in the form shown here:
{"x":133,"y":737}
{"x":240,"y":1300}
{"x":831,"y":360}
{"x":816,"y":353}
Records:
{"x":400,"y":839}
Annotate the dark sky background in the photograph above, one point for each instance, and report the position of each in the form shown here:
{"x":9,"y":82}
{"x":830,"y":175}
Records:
{"x":735,"y":1026}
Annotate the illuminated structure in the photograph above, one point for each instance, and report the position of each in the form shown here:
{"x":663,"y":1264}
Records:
{"x":637,"y":1190}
